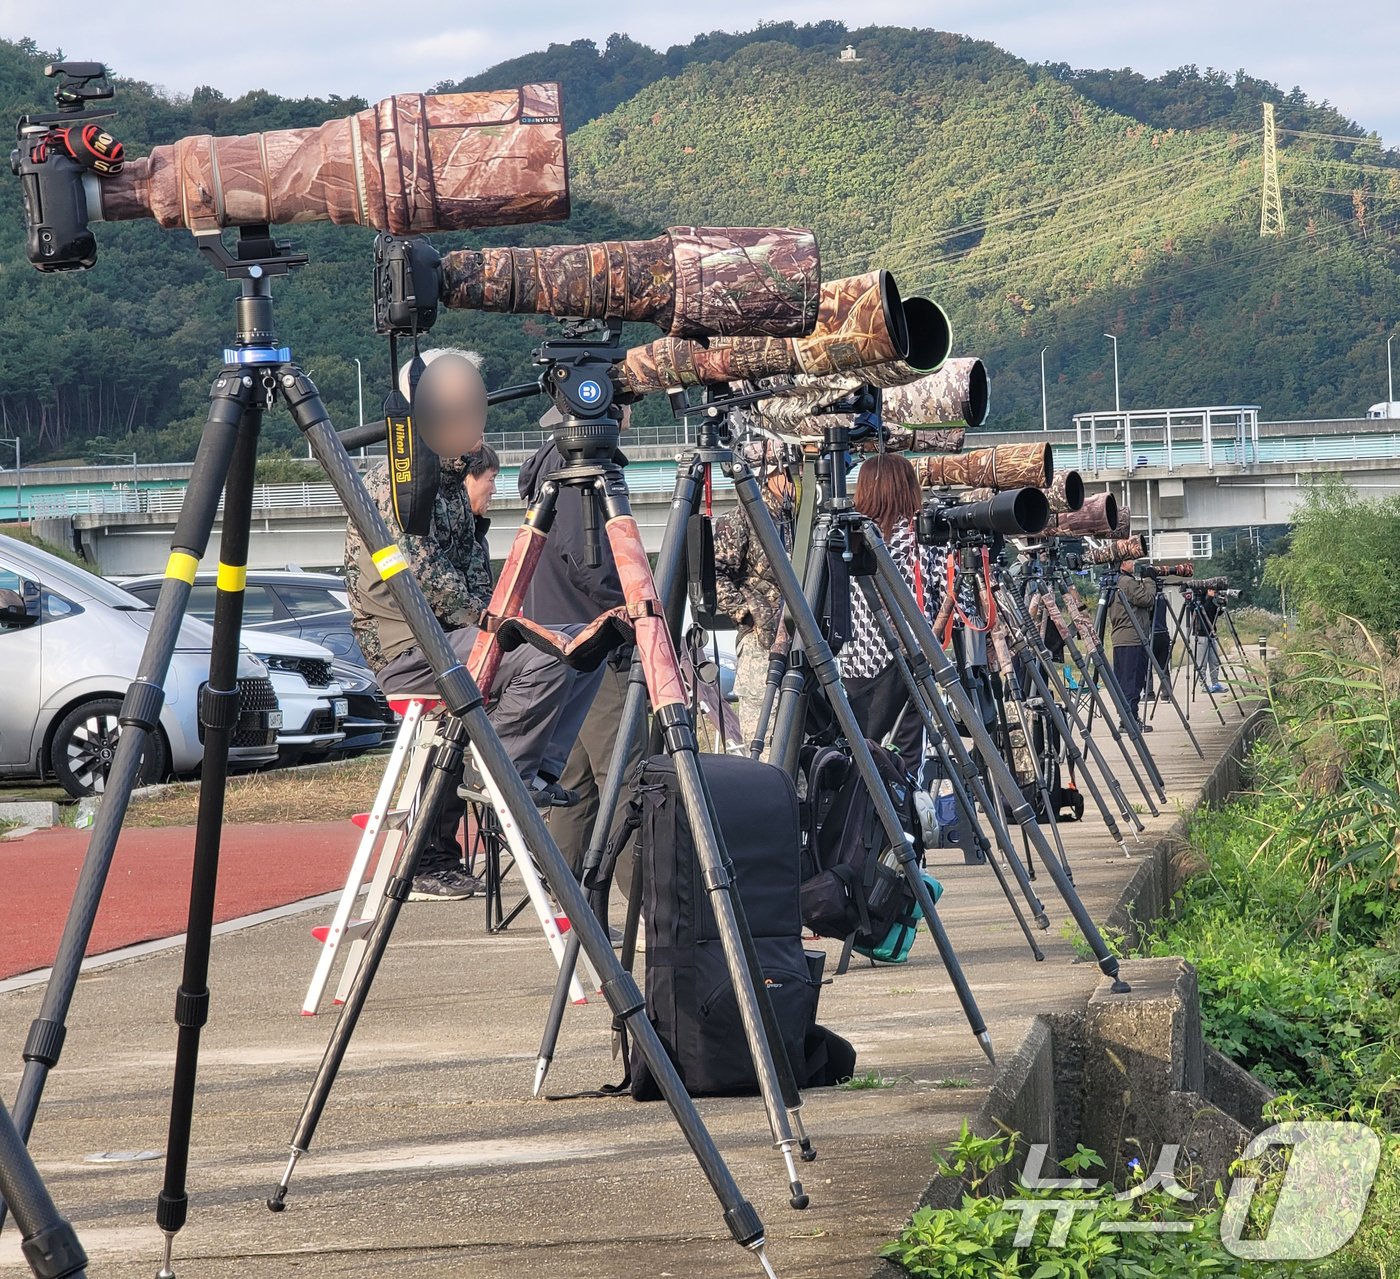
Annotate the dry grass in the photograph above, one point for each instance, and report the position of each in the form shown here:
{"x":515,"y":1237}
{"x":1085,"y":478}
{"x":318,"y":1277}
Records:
{"x":286,"y":795}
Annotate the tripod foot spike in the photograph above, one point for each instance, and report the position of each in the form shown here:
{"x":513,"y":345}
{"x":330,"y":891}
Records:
{"x":166,"y":1271}
{"x":804,"y":1142}
{"x":986,"y":1041}
{"x":762,"y":1254}
{"x":541,"y":1070}
{"x":1042,"y":920}
{"x":1123,"y":844}
{"x":277,"y":1201}
{"x":797,"y":1197}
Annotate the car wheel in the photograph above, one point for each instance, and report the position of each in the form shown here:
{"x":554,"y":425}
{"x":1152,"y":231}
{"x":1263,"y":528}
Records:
{"x":85,"y":743}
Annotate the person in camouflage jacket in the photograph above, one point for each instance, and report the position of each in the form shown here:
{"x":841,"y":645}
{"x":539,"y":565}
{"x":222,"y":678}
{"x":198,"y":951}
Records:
{"x":536,"y":702}
{"x":745,"y":589}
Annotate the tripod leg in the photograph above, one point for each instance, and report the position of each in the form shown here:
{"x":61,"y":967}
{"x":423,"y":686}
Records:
{"x":1146,"y":642}
{"x":967,"y":781}
{"x":1100,"y":669}
{"x":1040,"y":663}
{"x":445,"y":769}
{"x":139,"y":717}
{"x":667,"y":694}
{"x":464,"y":700}
{"x":631,"y":725}
{"x":960,"y":792}
{"x":894,"y":586}
{"x":823,"y":663}
{"x":48,"y":1242}
{"x":219,"y":713}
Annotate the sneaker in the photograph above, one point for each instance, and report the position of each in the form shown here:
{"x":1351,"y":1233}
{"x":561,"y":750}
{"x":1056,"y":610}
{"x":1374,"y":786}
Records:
{"x":474,"y":886}
{"x":1217,"y":688}
{"x":442,"y":886}
{"x":615,"y":936}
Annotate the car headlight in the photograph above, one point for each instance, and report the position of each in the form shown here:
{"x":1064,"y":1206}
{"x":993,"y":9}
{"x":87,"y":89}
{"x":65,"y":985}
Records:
{"x":352,"y":677}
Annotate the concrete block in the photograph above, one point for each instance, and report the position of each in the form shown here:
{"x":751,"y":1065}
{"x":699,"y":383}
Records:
{"x":1140,"y":1048}
{"x":40,"y":814}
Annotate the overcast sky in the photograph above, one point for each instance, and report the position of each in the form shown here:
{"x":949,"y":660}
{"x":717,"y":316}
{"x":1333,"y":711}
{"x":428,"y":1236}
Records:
{"x":1346,"y":51}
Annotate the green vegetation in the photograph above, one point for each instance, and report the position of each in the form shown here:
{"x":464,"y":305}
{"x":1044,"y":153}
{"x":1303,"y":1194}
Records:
{"x":1343,"y":559}
{"x":1293,"y":919}
{"x":23,"y":533}
{"x":1041,"y":205}
{"x":866,"y":1080}
{"x":977,"y":1239}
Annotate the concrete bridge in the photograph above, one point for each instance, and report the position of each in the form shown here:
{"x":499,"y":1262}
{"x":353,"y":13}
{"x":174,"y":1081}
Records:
{"x":1184,"y":471}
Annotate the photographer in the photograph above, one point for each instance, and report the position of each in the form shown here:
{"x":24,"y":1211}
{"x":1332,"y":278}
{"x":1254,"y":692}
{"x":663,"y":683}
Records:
{"x":567,"y":589}
{"x":1204,"y":620}
{"x":534,"y":698}
{"x":1138,"y":594}
{"x":745,"y":588}
{"x":887,"y":490}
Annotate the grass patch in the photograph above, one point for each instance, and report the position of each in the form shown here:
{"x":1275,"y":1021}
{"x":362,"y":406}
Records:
{"x":953,"y":1081}
{"x":866,"y":1081}
{"x":23,"y":533}
{"x":284,"y":795}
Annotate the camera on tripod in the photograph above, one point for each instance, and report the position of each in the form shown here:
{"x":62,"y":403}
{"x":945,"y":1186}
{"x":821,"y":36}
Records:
{"x":1013,"y":512}
{"x":59,"y":157}
{"x":407,"y":284}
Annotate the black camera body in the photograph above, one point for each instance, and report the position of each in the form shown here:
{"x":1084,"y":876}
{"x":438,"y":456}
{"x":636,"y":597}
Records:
{"x":48,"y":160}
{"x":1142,"y":568}
{"x":407,"y":285}
{"x":1014,"y":512}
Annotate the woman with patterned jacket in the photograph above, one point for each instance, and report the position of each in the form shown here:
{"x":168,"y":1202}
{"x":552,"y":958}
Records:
{"x":887,"y":491}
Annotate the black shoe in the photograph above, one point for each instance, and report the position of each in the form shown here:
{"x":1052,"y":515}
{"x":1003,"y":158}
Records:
{"x":474,"y":886}
{"x":442,"y":886}
{"x":1144,"y":726}
{"x":551,"y":794}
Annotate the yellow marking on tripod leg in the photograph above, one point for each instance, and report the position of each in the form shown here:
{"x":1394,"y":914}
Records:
{"x":232,"y":578}
{"x":182,"y":567}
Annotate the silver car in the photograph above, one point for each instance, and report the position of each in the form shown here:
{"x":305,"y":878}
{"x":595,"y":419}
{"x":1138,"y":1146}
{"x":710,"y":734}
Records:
{"x":70,"y":644}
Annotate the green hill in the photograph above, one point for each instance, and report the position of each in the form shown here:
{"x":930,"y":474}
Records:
{"x":1042,"y":206}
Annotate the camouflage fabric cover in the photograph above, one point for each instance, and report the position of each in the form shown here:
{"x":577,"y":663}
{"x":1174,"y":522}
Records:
{"x":957,"y":392}
{"x":694,"y":282}
{"x":852,"y":330}
{"x":410,"y":164}
{"x":1127,"y":548}
{"x":1096,"y":518}
{"x":448,"y":564}
{"x":1058,"y":495}
{"x":1006,"y":466}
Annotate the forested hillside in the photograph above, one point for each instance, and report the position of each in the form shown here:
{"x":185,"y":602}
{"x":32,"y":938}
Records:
{"x":1042,"y":206}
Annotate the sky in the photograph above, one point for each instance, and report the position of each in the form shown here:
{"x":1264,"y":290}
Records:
{"x":1345,"y":51}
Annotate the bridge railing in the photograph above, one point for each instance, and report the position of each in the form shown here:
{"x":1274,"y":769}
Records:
{"x":1214,"y":435}
{"x":641,"y":478}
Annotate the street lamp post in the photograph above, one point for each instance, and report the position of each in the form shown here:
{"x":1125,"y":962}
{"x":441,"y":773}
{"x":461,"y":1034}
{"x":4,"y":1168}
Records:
{"x":1044,"y":404}
{"x":1117,"y":405}
{"x":19,"y":481}
{"x":360,"y":387}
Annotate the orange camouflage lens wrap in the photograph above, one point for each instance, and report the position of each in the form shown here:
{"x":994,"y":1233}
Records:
{"x":410,"y":164}
{"x":654,"y":647}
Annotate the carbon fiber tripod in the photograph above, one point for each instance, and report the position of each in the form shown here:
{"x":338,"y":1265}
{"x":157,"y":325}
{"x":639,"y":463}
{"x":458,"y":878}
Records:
{"x":842,"y":529}
{"x":257,"y":373}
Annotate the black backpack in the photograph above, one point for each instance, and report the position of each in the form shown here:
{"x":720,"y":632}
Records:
{"x":689,"y":996}
{"x":853,"y":887}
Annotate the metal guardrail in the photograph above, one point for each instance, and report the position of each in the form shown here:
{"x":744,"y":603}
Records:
{"x":1322,"y":448}
{"x":642,"y":477}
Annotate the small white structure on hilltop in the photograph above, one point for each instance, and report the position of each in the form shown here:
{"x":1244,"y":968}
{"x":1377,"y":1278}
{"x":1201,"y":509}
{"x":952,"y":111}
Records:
{"x":848,"y":54}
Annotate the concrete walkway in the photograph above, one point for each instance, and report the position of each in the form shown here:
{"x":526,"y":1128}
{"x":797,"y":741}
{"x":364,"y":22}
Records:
{"x":433,"y":1160}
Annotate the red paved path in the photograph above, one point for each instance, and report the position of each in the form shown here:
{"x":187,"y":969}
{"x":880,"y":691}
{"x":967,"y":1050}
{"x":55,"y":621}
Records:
{"x":148,"y":888}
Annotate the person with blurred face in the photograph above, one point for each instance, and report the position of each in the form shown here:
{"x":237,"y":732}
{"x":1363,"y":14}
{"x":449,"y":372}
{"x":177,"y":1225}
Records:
{"x":532,"y":690}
